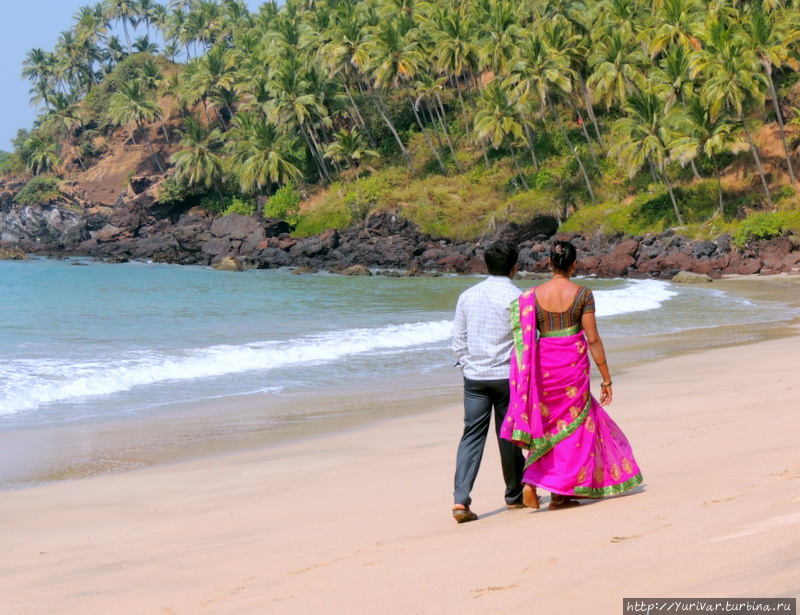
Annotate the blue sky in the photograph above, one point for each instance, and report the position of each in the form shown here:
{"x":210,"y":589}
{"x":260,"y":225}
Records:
{"x":25,"y":24}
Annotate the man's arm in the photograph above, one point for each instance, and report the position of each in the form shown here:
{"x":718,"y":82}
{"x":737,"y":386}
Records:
{"x":460,"y":334}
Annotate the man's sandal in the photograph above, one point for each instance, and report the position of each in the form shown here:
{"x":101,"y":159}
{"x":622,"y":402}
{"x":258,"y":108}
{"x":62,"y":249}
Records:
{"x":462,"y":515}
{"x":559,"y":501}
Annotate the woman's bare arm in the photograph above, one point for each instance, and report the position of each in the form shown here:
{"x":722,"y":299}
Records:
{"x":589,"y":324}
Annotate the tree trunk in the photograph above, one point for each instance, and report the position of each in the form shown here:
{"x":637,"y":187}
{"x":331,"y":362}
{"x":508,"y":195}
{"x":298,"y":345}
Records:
{"x":532,"y":144}
{"x":152,"y":150}
{"x":590,"y":110}
{"x":586,"y":136}
{"x":463,"y":107}
{"x":757,"y":159}
{"x":443,"y":119}
{"x":434,"y":123}
{"x":516,"y":165}
{"x":389,"y":123}
{"x":671,"y":194}
{"x":422,"y":128}
{"x":358,"y":115}
{"x":778,"y":115}
{"x":317,"y":155}
{"x":719,"y":184}
{"x":165,"y":131}
{"x":572,"y":149}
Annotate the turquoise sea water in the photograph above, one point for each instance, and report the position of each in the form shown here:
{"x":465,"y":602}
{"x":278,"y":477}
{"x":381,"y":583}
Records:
{"x":89,"y":342}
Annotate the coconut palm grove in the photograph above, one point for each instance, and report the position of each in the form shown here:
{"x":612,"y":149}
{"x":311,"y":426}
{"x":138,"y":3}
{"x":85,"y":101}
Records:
{"x":615,"y":116}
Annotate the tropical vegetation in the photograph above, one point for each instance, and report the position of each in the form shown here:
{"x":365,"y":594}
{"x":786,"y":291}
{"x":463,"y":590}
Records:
{"x":614,"y":115}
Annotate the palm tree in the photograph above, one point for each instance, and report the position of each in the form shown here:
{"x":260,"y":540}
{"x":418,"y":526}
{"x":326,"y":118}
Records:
{"x":642,"y":137}
{"x":673,"y":80}
{"x":345,"y":55}
{"x":500,"y":38}
{"x":350,"y":149}
{"x":496,"y":122}
{"x":617,"y":67}
{"x":772,"y":38}
{"x":126,"y":11}
{"x":39,"y":68}
{"x":395,"y":58}
{"x":697,"y":132}
{"x":131,"y":103}
{"x":675,"y":22}
{"x":456,"y":52}
{"x":539,"y":75}
{"x":733,"y":81}
{"x":64,"y":118}
{"x":259,"y":154}
{"x":199,"y":162}
{"x":40,"y":154}
{"x":294,"y":105}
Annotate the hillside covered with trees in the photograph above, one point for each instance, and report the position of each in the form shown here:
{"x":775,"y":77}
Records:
{"x":613,"y":116}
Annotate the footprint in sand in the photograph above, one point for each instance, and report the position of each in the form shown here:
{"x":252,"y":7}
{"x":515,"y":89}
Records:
{"x":492,"y":588}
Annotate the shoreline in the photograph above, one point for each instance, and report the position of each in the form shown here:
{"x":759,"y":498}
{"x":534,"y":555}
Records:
{"x":300,"y":526}
{"x":32,"y":455}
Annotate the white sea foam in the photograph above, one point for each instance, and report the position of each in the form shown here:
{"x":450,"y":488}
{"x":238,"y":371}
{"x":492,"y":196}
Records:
{"x":26,"y":383}
{"x":635,"y":296}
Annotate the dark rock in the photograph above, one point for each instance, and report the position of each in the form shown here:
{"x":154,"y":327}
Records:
{"x":235,"y":226}
{"x":217,"y":246}
{"x":140,"y":184}
{"x":704,"y":248}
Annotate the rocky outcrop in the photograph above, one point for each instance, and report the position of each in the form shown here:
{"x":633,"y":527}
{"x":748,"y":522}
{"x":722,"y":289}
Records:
{"x":139,"y":227}
{"x":12,"y":253}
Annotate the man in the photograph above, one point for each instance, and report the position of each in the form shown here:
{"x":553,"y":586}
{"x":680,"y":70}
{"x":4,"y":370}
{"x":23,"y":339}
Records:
{"x":482,"y":343}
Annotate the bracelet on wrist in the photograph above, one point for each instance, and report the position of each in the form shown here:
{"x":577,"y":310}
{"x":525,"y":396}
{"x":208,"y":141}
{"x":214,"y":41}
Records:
{"x":605,"y":385}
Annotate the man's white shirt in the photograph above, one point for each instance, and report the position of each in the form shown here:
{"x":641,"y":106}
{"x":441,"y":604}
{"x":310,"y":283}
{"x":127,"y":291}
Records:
{"x":482,"y":339}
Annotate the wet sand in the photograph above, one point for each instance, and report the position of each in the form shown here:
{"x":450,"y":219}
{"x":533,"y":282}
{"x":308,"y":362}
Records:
{"x":359,"y":521}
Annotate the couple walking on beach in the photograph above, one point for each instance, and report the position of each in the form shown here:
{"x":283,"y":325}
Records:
{"x":525,"y":358}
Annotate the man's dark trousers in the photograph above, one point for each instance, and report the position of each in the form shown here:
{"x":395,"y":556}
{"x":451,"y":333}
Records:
{"x":480,"y":396}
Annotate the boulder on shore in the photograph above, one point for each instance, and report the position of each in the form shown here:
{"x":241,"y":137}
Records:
{"x":12,"y":253}
{"x":689,"y":277}
{"x":228,"y":264}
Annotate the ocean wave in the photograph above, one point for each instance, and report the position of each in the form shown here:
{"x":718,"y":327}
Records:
{"x":635,"y":296}
{"x":26,"y":384}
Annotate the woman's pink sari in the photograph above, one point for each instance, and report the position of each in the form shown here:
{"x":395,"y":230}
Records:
{"x":575,"y":447}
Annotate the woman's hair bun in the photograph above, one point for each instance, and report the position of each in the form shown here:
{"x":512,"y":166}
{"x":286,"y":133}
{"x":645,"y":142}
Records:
{"x":563,"y":255}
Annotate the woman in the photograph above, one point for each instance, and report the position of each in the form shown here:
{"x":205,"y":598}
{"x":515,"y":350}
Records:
{"x":576,"y":450}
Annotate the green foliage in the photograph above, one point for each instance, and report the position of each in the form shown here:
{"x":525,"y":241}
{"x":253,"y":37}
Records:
{"x":213,"y":203}
{"x":330,"y":213}
{"x":98,"y":100}
{"x":10,"y":164}
{"x":544,"y":179}
{"x":242,"y":207}
{"x":39,"y":190}
{"x":171,"y":191}
{"x":368,"y":192}
{"x":763,"y":225}
{"x":785,"y":192}
{"x":284,"y":205}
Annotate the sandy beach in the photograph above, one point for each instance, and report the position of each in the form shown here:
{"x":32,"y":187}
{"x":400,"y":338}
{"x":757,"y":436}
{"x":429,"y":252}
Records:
{"x":359,"y":521}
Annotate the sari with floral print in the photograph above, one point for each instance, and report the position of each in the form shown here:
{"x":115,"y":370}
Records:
{"x":576,"y":449}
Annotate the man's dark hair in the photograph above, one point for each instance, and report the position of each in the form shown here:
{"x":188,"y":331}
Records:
{"x":500,"y":257}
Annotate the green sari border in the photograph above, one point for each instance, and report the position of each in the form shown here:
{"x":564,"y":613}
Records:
{"x":601,"y":492}
{"x":516,"y":331}
{"x":539,"y":447}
